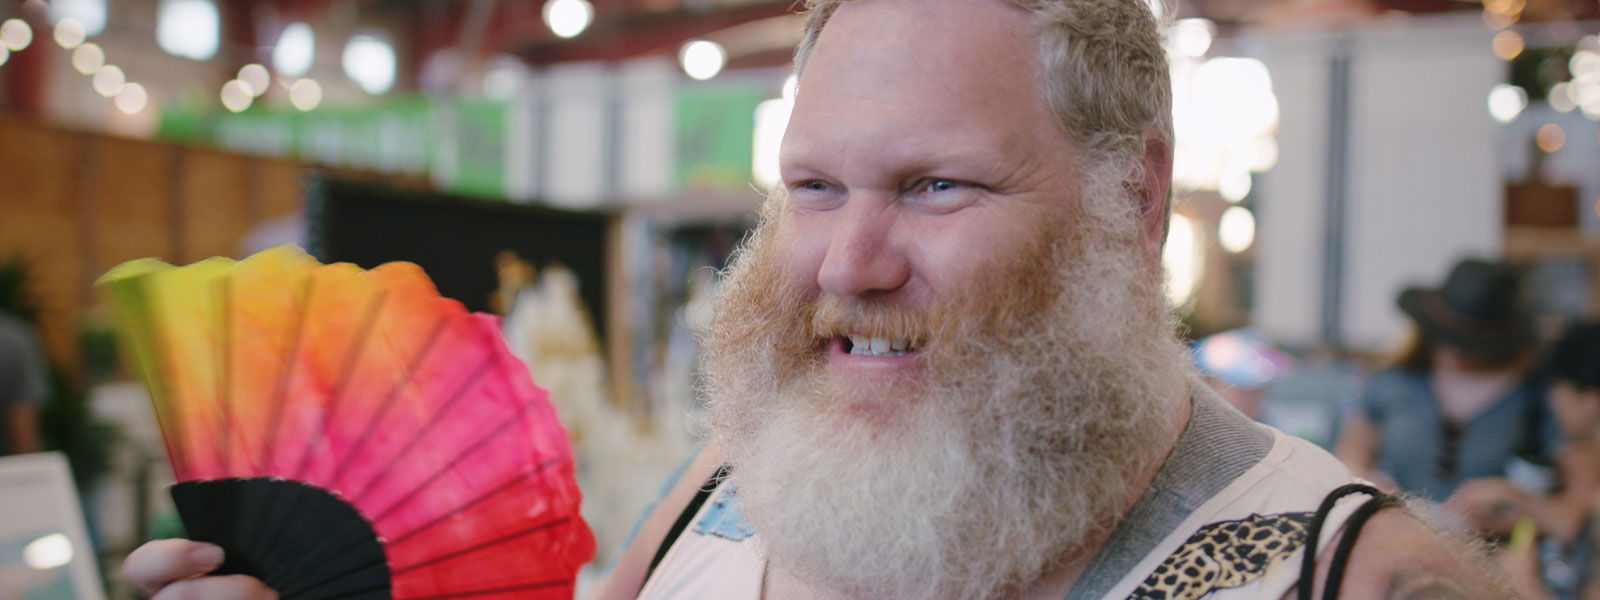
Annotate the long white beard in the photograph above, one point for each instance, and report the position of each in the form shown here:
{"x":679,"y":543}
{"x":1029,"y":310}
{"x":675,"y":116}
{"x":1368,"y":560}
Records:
{"x":1013,"y":456}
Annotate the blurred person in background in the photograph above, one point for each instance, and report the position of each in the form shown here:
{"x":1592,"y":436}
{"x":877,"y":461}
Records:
{"x":24,"y":385}
{"x":1563,"y":509}
{"x":1238,"y":365}
{"x":1300,"y":398}
{"x":1460,"y":403}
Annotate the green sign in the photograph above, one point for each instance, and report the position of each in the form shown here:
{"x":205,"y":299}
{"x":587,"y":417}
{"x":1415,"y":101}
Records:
{"x":474,"y":133}
{"x":395,"y":137}
{"x":716,"y":130}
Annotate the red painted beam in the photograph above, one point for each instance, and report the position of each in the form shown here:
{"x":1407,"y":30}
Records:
{"x":636,"y":34}
{"x":26,"y":71}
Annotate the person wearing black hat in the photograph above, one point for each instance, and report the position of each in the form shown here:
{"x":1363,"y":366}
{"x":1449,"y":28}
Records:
{"x":1460,"y":403}
{"x":1569,"y":534}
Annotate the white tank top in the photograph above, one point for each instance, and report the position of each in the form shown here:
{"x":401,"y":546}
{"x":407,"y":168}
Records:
{"x":1225,"y":518}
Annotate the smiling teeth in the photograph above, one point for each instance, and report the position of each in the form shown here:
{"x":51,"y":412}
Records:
{"x":861,"y":345}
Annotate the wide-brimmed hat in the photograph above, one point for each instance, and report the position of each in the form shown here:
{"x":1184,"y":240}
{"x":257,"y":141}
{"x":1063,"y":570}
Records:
{"x":1477,"y":310}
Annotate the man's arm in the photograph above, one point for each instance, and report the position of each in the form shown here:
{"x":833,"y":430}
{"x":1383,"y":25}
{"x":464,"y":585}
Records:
{"x":627,"y":578}
{"x":1397,"y":556}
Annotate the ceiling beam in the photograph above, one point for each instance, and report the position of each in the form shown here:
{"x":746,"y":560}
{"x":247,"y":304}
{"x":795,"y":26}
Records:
{"x":635,"y":34}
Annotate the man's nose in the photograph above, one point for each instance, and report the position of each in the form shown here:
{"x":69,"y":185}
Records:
{"x":861,"y":260}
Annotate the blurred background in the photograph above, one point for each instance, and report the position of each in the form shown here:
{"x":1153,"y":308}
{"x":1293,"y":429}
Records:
{"x":583,"y":166}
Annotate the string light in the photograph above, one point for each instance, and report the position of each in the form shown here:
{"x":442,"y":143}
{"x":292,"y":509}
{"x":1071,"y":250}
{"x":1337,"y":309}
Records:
{"x":305,"y":94}
{"x":109,"y":80}
{"x":69,"y":33}
{"x":88,"y":58}
{"x":132,"y":98}
{"x":236,"y":95}
{"x":1561,"y":99}
{"x":256,"y":77}
{"x":15,"y":34}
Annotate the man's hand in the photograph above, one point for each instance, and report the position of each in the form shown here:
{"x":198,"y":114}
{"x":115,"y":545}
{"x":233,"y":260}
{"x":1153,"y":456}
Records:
{"x":173,"y":569}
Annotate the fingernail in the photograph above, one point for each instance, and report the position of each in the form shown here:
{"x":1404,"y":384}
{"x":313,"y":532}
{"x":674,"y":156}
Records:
{"x":207,"y":554}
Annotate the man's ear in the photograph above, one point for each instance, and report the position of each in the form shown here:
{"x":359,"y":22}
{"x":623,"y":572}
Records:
{"x":1155,"y":193}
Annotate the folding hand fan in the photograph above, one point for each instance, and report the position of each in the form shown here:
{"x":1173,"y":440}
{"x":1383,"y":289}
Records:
{"x":344,"y":433}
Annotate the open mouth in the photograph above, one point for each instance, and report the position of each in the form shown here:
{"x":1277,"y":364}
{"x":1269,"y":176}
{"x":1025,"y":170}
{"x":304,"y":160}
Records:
{"x":862,"y":345}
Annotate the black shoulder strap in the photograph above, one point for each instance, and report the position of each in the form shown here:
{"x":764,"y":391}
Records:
{"x":1352,"y":528}
{"x":684,"y":518}
{"x":1532,"y":445}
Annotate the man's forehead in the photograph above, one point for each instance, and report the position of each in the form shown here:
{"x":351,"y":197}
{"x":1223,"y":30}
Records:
{"x":920,"y":80}
{"x":946,"y":33}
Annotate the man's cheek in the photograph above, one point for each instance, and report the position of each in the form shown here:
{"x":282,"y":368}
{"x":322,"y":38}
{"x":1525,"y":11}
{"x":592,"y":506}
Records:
{"x":799,"y":251}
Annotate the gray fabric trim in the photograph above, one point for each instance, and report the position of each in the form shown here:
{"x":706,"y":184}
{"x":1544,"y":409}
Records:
{"x":1216,"y":447}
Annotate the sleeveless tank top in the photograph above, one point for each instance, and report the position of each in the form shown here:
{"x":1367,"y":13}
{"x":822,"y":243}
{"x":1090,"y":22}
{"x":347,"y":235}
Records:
{"x":1226,"y":517}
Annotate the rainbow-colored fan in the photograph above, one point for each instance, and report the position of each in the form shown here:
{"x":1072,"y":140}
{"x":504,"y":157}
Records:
{"x":345,"y":433}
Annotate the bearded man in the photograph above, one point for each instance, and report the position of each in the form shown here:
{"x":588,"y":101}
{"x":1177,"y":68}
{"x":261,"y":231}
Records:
{"x":943,"y":366}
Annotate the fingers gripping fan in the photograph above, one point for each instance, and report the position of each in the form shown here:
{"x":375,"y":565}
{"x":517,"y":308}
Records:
{"x":345,"y":433}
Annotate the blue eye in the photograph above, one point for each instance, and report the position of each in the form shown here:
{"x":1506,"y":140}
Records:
{"x":941,"y":185}
{"x":814,"y":186}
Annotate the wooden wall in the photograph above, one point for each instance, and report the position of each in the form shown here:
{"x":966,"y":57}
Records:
{"x":76,"y":204}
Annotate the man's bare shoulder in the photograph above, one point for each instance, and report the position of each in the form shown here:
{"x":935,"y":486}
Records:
{"x":1399,"y":556}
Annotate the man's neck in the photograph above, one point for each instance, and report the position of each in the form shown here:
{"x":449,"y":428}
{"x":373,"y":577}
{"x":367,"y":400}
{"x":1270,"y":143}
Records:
{"x":1058,"y":582}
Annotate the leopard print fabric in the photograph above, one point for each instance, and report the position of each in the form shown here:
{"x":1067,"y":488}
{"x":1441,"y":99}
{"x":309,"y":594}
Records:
{"x":1225,"y":555}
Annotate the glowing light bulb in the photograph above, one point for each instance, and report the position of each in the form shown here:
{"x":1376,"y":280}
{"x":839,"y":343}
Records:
{"x":1235,"y":185}
{"x":296,"y":47}
{"x":132,"y":98}
{"x":305,"y":94}
{"x":189,"y":28}
{"x":88,"y":58}
{"x":69,"y":33}
{"x":1506,"y":101}
{"x":1561,"y":99}
{"x":568,"y":18}
{"x":15,"y":34}
{"x":1192,"y":37}
{"x":108,"y":80}
{"x":236,"y":95}
{"x":369,"y":61}
{"x":702,"y":59}
{"x":255,"y":76}
{"x":1237,"y":229}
